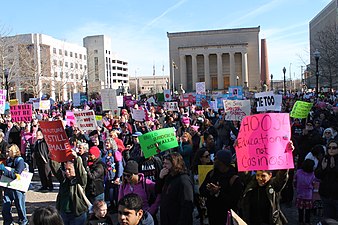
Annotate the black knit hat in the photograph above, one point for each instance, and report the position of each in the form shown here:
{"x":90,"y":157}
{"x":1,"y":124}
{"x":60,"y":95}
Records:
{"x":224,"y":156}
{"x":131,"y":167}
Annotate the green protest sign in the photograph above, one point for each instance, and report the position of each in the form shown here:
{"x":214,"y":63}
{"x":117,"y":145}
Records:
{"x":157,"y":141}
{"x":301,"y":109}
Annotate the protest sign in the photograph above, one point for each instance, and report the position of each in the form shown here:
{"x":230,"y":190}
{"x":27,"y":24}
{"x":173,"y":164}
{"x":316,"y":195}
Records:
{"x":13,"y":102}
{"x":139,"y":115}
{"x":70,"y":118}
{"x":119,"y":101}
{"x":171,"y":106}
{"x":108,"y":97}
{"x":167,"y":95}
{"x":44,"y":105}
{"x":85,"y":119}
{"x":2,"y":101}
{"x":21,"y":112}
{"x":200,"y":88}
{"x":301,"y":109}
{"x":157,"y":141}
{"x":57,"y":140}
{"x":236,"y":110}
{"x":203,"y":170}
{"x":77,"y":99}
{"x":268,"y":101}
{"x":262,"y":142}
{"x":236,"y":220}
{"x":21,"y":183}
{"x":235,"y":92}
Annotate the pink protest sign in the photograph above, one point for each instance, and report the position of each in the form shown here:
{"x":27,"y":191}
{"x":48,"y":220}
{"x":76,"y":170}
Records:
{"x":262,"y":142}
{"x":70,"y":118}
{"x":22,"y":112}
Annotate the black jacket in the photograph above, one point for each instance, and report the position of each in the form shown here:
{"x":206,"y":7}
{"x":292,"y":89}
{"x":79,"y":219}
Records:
{"x":95,"y":181}
{"x":176,"y":200}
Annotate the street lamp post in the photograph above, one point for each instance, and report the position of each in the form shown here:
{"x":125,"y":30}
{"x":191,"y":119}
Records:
{"x":237,"y":78}
{"x":6,"y":72}
{"x":284,"y":71}
{"x":271,"y":76}
{"x":317,"y":56}
{"x":86,"y":80}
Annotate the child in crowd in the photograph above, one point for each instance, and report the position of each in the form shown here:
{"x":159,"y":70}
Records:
{"x":100,"y":216}
{"x":304,"y":180}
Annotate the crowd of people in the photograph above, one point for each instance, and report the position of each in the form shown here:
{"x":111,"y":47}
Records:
{"x":109,"y":173}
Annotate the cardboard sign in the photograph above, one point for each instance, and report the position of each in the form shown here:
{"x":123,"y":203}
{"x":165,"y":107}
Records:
{"x":268,"y":101}
{"x":203,"y":170}
{"x":57,"y":140}
{"x":236,"y":110}
{"x":235,"y":92}
{"x":85,"y":120}
{"x":157,"y":141}
{"x":108,"y":97}
{"x":70,"y":118}
{"x":21,"y":112}
{"x":139,"y":115}
{"x":301,"y":109}
{"x":200,"y":88}
{"x":13,"y":102}
{"x":20,"y":184}
{"x":44,"y":105}
{"x":171,"y":106}
{"x":2,"y":101}
{"x":262,"y":142}
{"x":119,"y":101}
{"x":76,"y":99}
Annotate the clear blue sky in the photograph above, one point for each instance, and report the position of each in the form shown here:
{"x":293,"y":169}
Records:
{"x":139,"y":28}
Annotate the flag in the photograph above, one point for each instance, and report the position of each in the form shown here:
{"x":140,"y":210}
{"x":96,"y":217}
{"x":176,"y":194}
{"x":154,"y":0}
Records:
{"x":167,"y":95}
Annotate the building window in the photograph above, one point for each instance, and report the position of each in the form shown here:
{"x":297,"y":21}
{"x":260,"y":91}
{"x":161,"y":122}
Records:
{"x":60,"y":63}
{"x":71,"y":65}
{"x":71,"y":54}
{"x":55,"y":62}
{"x":60,"y":51}
{"x":84,"y":57}
{"x":55,"y":74}
{"x":76,"y":65}
{"x":77,"y":76}
{"x":61,"y":75}
{"x":54,"y":50}
{"x":71,"y":76}
{"x":75,"y":55}
{"x":81,"y":66}
{"x":96,"y":51}
{"x":66,"y":53}
{"x":96,"y":68}
{"x":80,"y":56}
{"x":66,"y":64}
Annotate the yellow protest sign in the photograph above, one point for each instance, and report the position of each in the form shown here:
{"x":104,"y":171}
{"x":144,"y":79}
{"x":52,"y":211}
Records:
{"x":203,"y":170}
{"x":301,"y":109}
{"x":13,"y":102}
{"x":98,"y":117}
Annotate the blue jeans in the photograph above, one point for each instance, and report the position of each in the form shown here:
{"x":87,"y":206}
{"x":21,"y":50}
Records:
{"x":19,"y":199}
{"x":71,"y":219}
{"x":330,"y":208}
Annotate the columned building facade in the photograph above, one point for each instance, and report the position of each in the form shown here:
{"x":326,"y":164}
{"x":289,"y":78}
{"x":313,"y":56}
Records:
{"x":220,"y":58}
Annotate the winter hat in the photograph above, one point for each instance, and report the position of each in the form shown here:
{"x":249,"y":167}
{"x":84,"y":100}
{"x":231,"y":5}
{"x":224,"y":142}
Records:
{"x":195,"y":128}
{"x":224,"y":156}
{"x":185,"y":120}
{"x":131,"y":167}
{"x":95,"y":151}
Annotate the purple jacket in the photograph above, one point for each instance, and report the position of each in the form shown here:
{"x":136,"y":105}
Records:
{"x":143,"y":188}
{"x":304,"y":184}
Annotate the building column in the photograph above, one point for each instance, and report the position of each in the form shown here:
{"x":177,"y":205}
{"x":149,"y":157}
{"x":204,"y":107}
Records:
{"x":183,"y":71}
{"x":194,"y":70}
{"x":206,"y":72}
{"x":245,"y":77}
{"x":52,"y":86}
{"x":65,"y":93}
{"x":220,"y":78}
{"x":232,"y":69}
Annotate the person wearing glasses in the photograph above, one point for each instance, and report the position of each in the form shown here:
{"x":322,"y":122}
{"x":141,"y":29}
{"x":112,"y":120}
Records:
{"x":134,"y":182}
{"x":327,"y":172}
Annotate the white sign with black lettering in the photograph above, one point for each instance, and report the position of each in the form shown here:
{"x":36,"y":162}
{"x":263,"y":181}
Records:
{"x":171,"y":106}
{"x":268,"y":101}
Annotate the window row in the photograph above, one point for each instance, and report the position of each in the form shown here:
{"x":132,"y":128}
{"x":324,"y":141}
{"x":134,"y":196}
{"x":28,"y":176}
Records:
{"x":66,"y":75}
{"x":71,"y":65}
{"x":71,"y":54}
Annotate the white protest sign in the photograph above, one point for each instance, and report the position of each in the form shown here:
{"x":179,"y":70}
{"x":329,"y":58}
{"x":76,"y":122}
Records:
{"x":139,"y":114}
{"x":200,"y":88}
{"x":85,"y":119}
{"x":236,"y":110}
{"x":151,"y":100}
{"x":171,"y":106}
{"x":76,"y":99}
{"x":119,"y":100}
{"x":2,"y":101}
{"x":108,"y":98}
{"x":268,"y":101}
{"x":20,"y":183}
{"x":167,"y":95}
{"x":44,"y":105}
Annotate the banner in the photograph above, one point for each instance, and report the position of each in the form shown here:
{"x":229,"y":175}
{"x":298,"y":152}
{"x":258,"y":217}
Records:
{"x":262,"y":142}
{"x":85,"y":120}
{"x":167,"y":95}
{"x":200,"y":88}
{"x":157,"y":141}
{"x":44,"y":105}
{"x":268,"y":101}
{"x":2,"y":101}
{"x":70,"y":118}
{"x":203,"y":170}
{"x":20,"y":184}
{"x":236,"y":110}
{"x":139,"y":115}
{"x":108,"y":97}
{"x":57,"y":140}
{"x":170,"y":106}
{"x":21,"y":112}
{"x":301,"y":109}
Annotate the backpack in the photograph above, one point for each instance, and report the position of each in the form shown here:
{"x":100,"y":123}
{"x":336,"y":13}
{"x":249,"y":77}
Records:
{"x":17,"y":160}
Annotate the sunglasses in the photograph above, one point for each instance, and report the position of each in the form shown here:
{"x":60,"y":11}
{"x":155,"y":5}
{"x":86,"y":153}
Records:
{"x":128,"y":175}
{"x":205,"y":156}
{"x":332,"y":147}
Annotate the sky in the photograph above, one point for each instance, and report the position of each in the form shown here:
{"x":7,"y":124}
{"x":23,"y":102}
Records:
{"x":138,"y":29}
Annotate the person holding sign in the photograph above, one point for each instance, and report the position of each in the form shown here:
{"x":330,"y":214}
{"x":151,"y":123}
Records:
{"x":16,"y":162}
